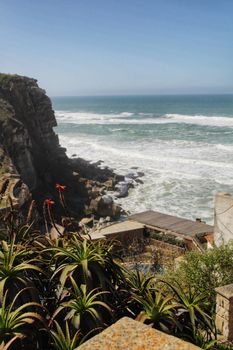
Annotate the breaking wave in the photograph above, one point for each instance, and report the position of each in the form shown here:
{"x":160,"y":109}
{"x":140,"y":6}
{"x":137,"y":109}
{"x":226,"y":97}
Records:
{"x":131,"y":118}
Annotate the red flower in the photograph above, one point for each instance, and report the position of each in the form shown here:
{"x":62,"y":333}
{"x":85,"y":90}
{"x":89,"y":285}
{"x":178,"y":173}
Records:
{"x":49,"y":202}
{"x":60,"y":187}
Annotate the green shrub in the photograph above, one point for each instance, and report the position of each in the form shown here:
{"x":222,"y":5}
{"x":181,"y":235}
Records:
{"x":206,"y":271}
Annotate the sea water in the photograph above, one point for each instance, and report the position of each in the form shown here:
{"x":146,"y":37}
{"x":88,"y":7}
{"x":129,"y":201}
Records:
{"x":183,"y":144}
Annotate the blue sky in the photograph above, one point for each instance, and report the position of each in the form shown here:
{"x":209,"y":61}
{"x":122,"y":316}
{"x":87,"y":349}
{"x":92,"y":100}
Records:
{"x":101,"y":47}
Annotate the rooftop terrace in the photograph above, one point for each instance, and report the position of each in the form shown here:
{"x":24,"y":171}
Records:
{"x":172,"y":223}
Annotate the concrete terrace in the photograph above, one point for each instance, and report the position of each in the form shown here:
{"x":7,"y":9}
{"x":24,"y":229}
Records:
{"x":174,"y":224}
{"x":115,"y":230}
{"x":162,"y":229}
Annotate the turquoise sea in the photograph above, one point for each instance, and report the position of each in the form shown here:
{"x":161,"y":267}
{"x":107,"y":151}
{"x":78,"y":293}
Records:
{"x":183,"y":144}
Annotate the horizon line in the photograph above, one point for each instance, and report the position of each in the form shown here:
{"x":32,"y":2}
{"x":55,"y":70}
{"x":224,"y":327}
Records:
{"x":146,"y":95}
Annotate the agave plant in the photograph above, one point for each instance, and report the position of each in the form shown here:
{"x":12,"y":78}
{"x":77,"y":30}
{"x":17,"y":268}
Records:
{"x":63,"y":340}
{"x":135,"y":283}
{"x":85,"y":309}
{"x":15,"y":321}
{"x":6,"y":346}
{"x":192,"y":312}
{"x":157,"y":309}
{"x":139,"y":282}
{"x":16,"y":267}
{"x":89,"y":263}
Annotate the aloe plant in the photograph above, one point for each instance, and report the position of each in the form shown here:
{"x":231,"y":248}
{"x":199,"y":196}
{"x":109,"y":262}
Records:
{"x":14,"y":321}
{"x":63,"y":340}
{"x":6,"y":345}
{"x":16,"y":264}
{"x":192,"y":303}
{"x":89,"y":263}
{"x":192,"y":314}
{"x":139,"y":282}
{"x":157,"y":309}
{"x":85,"y":307}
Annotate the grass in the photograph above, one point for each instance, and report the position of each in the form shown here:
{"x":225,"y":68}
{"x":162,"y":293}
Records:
{"x":4,"y":77}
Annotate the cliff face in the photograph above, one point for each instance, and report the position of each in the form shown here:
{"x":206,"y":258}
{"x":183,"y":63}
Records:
{"x":29,"y":148}
{"x":26,"y":121}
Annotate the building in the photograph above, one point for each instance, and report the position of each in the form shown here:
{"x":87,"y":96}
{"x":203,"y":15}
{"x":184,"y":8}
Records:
{"x":223,"y":218}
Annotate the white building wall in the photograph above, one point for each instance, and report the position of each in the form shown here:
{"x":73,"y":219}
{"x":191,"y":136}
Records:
{"x":223,"y":218}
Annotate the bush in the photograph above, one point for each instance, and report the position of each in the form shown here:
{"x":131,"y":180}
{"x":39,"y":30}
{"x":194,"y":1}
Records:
{"x":206,"y":271}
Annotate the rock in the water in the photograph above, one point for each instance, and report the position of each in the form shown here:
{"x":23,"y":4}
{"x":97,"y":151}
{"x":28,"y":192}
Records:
{"x":134,"y":175}
{"x":100,"y":208}
{"x":140,"y":173}
{"x":107,"y":199}
{"x":122,"y":189}
{"x":109,"y":184}
{"x":139,"y":181}
{"x":131,"y":175}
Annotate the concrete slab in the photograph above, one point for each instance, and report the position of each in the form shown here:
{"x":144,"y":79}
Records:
{"x":133,"y":335}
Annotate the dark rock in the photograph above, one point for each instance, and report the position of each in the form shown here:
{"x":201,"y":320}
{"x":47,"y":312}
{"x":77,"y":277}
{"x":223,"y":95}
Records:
{"x":121,"y":190}
{"x":131,"y":175}
{"x":109,"y":184}
{"x":99,"y":207}
{"x":134,"y":175}
{"x":140,"y":173}
{"x":139,"y":181}
{"x":130,"y":182}
{"x":107,"y":199}
{"x":91,"y":171}
{"x":118,"y":178}
{"x":99,"y":162}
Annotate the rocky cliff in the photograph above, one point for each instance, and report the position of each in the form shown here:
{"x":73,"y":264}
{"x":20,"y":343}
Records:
{"x":30,"y":152}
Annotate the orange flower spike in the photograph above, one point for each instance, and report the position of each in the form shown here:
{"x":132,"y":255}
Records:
{"x":49,"y":202}
{"x":60,"y":187}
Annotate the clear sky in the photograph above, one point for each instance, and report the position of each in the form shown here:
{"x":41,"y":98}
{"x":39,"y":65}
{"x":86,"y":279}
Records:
{"x":100,"y":47}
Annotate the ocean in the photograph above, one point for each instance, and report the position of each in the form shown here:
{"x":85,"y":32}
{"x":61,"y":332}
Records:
{"x":183,"y":144}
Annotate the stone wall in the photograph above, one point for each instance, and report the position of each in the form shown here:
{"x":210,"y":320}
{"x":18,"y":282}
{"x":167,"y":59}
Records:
{"x":166,"y":252}
{"x":171,"y":249}
{"x":224,"y":312}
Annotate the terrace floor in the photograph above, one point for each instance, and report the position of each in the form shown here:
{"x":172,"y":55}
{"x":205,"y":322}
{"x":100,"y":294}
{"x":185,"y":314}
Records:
{"x":172,"y":223}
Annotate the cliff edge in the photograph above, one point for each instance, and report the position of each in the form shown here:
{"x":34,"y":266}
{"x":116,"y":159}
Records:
{"x":31,"y":159}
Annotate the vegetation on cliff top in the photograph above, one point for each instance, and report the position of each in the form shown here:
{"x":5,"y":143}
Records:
{"x":4,"y":77}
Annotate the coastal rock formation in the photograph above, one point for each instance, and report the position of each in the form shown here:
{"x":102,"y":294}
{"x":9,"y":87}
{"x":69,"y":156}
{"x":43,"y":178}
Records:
{"x":30,"y":152}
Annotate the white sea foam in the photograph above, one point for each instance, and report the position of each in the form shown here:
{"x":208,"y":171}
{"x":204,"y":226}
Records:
{"x":228,"y":148}
{"x":152,"y":155}
{"x":89,"y":118}
{"x":181,"y":176}
{"x":201,"y":120}
{"x":130,"y":118}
